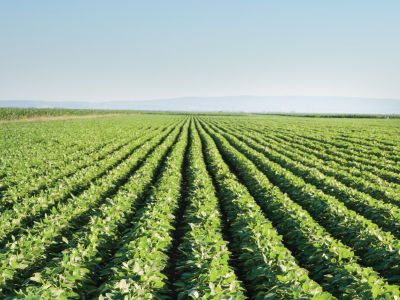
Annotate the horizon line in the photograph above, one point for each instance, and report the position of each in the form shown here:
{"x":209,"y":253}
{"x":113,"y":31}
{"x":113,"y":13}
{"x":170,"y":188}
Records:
{"x":182,"y":97}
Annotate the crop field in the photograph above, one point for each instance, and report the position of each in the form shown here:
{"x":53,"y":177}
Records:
{"x":200,"y":207}
{"x":11,"y":114}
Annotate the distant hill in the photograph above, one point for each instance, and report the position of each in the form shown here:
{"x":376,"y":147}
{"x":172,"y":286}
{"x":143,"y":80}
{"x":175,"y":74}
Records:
{"x":287,"y":104}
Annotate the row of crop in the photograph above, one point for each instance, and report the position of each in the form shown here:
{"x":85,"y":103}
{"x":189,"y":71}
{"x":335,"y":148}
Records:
{"x":74,"y":273}
{"x":330,"y":160}
{"x":369,"y":131}
{"x":270,"y":269}
{"x":377,"y":248}
{"x":392,"y":149}
{"x":385,"y":215}
{"x":22,"y":168}
{"x":367,"y":149}
{"x":352,"y":163}
{"x":373,"y":139}
{"x":361,"y":181}
{"x":28,"y":139}
{"x":373,"y":174}
{"x":59,"y":149}
{"x":43,"y":159}
{"x":20,"y":258}
{"x":347,"y":141}
{"x":204,"y":256}
{"x":136,"y":270}
{"x":328,"y":260}
{"x":19,"y":188}
{"x":387,"y":172}
{"x":14,"y":113}
{"x":348,"y":148}
{"x":26,"y":142}
{"x":30,"y":172}
{"x":314,"y":137}
{"x":48,"y":146}
{"x":353,"y":155}
{"x":26,"y":211}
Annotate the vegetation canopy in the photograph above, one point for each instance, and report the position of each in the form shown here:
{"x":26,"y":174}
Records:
{"x":199,"y":206}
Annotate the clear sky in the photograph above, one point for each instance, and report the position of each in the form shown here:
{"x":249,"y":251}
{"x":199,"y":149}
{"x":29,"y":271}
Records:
{"x":137,"y":50}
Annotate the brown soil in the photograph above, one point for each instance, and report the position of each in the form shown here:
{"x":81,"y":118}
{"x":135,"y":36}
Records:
{"x":59,"y":118}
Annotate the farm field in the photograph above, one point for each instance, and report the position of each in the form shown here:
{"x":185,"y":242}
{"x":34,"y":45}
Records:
{"x":30,"y":114}
{"x":200,"y":207}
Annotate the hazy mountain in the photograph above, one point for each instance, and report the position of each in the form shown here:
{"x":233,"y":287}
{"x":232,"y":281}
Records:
{"x":300,"y":104}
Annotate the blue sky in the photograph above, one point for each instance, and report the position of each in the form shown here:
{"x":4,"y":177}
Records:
{"x":139,"y":50}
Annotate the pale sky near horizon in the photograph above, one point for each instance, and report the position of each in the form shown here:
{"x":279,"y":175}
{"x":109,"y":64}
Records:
{"x":138,"y":50}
